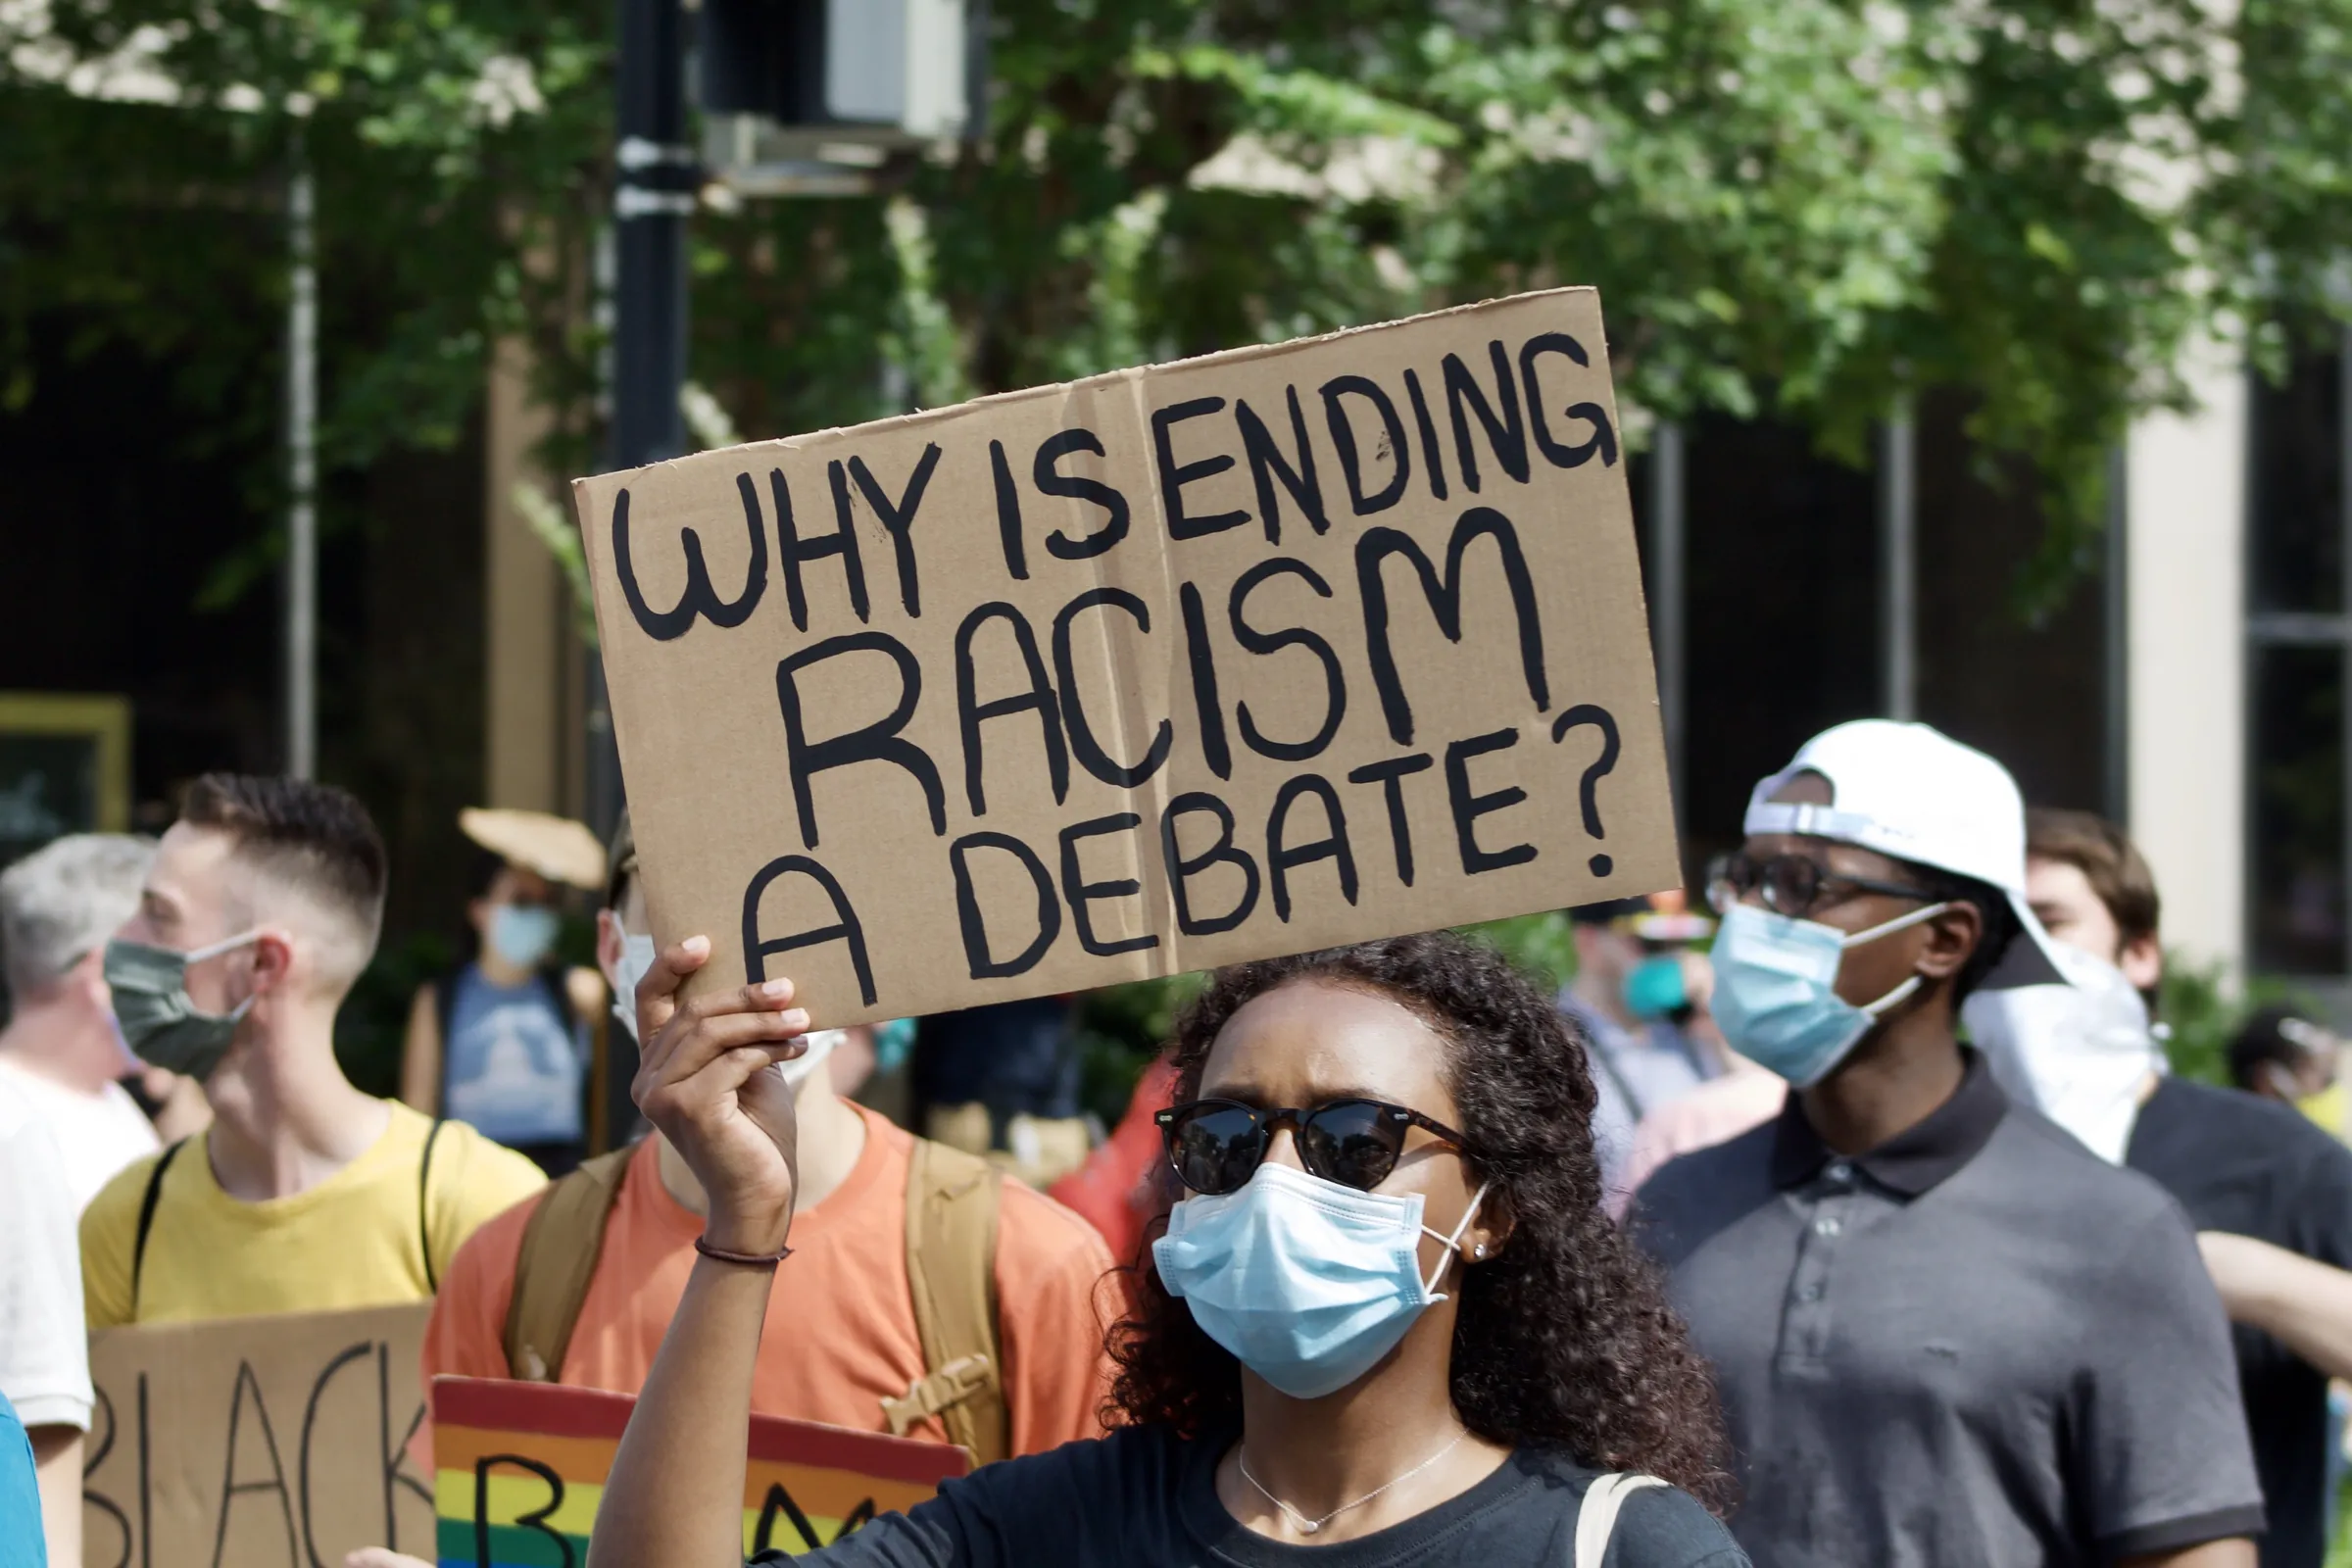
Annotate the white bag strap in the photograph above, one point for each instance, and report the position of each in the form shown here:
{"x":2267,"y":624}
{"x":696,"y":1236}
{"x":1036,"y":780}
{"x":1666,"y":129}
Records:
{"x":1596,"y":1519}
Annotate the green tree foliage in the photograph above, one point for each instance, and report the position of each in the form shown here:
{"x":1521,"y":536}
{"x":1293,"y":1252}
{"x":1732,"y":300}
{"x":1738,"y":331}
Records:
{"x":2202,"y":1012}
{"x":1808,"y":206}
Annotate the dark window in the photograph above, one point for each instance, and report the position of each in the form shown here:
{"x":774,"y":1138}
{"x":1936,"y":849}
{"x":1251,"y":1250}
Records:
{"x":1782,"y":616}
{"x":2029,"y":689}
{"x":2296,"y":504}
{"x":2297,"y":785}
{"x":2299,"y":634}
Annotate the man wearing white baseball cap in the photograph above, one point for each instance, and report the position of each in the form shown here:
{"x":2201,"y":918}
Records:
{"x":1944,"y":1331}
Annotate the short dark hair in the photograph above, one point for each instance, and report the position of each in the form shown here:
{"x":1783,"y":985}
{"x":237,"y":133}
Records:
{"x":1994,"y":914}
{"x":312,"y":837}
{"x":2118,"y":873}
{"x":2268,"y":1037}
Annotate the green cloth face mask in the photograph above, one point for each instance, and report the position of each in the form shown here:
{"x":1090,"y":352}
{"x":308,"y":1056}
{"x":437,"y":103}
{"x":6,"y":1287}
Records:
{"x":159,"y":1022}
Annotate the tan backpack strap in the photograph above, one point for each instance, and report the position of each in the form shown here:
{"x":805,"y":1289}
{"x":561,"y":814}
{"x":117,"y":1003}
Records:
{"x":561,"y":1242}
{"x":951,"y":1211}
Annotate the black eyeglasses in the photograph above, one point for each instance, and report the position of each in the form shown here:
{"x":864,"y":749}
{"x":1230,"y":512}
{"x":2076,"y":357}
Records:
{"x":1793,"y":884}
{"x":1217,"y":1145}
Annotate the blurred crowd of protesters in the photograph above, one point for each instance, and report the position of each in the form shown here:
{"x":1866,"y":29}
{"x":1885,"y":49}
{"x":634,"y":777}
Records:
{"x":1967,"y":1273}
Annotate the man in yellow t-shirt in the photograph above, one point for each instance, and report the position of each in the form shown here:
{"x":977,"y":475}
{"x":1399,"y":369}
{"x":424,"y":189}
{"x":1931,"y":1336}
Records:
{"x":305,"y":1194}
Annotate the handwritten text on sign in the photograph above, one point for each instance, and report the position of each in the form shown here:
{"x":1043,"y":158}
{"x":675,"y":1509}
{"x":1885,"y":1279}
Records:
{"x":255,"y":1443}
{"x":1239,"y":655}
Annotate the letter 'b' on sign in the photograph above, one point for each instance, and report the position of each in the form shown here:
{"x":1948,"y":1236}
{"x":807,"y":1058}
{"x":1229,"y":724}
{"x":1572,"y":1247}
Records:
{"x":522,"y":1467}
{"x":1252,"y":653}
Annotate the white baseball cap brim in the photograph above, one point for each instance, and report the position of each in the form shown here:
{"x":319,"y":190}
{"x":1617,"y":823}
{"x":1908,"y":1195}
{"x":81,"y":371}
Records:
{"x":1912,"y":792}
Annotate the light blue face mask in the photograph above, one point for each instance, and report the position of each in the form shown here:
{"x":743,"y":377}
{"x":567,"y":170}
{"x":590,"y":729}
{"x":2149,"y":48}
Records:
{"x":1655,"y":987}
{"x":522,"y":934}
{"x":1306,"y":1282}
{"x":1775,"y":990}
{"x":894,"y":1043}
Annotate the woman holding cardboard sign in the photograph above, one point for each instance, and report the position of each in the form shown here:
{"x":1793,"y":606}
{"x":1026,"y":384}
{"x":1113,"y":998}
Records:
{"x":1367,"y":1333}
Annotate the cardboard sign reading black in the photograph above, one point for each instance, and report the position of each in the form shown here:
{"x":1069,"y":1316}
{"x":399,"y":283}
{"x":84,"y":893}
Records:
{"x":256,"y":1443}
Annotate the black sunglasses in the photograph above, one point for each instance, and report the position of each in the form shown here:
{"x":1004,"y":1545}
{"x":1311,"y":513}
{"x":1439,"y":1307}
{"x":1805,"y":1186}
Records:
{"x":1793,"y":884}
{"x":1217,"y":1145}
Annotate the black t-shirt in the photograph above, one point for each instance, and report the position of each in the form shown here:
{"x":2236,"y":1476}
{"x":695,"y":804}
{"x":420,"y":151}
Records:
{"x":1144,"y":1497}
{"x":2254,"y":1167}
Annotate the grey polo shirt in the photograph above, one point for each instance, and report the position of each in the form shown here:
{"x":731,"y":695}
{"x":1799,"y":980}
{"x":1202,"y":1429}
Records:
{"x":1977,"y":1343}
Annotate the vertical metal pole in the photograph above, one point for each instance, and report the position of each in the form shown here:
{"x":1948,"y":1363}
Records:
{"x":2344,"y":646}
{"x":302,"y":511}
{"x":2116,"y":607}
{"x":655,"y":195}
{"x":1668,"y":550}
{"x":1898,"y":587}
{"x":651,"y":199}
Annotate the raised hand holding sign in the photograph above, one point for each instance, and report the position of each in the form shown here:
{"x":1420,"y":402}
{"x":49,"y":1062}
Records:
{"x":705,"y":1080}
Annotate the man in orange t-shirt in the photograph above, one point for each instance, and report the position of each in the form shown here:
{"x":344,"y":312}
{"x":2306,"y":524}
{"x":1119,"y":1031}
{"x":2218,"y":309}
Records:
{"x":843,"y":1335}
{"x":841,"y":1332}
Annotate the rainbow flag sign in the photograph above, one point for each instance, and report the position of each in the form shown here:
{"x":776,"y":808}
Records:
{"x":520,"y":1468}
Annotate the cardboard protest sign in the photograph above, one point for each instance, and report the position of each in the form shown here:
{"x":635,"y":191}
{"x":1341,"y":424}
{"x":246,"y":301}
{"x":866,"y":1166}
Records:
{"x":522,"y":1467}
{"x":1239,"y":655}
{"x":255,"y":1443}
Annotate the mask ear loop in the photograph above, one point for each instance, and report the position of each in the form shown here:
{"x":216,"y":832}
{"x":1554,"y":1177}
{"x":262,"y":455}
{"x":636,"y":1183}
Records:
{"x":1429,"y":1288}
{"x":1887,"y":929}
{"x":199,"y":954}
{"x":235,"y":1014}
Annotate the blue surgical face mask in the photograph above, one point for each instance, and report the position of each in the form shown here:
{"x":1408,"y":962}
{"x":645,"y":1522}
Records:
{"x":522,"y":934}
{"x":1654,"y":987}
{"x":1775,"y":990}
{"x":1306,"y":1282}
{"x":894,"y":1043}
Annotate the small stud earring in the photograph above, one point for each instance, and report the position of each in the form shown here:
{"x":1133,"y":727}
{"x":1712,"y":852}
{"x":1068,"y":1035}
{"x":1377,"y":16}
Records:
{"x":1480,"y":1251}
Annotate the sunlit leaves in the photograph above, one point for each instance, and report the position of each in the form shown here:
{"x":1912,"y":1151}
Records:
{"x":1805,"y":206}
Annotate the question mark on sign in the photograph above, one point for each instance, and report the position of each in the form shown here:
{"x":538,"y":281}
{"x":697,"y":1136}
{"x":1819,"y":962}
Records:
{"x":1587,"y":787}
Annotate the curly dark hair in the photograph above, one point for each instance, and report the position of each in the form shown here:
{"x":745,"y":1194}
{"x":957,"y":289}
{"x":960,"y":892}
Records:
{"x":1564,"y":1339}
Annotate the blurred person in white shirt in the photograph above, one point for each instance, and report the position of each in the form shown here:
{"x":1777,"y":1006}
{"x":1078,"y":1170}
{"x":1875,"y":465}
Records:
{"x":44,"y":1350}
{"x":61,"y":1050}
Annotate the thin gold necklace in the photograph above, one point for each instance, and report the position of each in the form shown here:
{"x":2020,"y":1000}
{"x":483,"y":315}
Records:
{"x":1307,"y":1526}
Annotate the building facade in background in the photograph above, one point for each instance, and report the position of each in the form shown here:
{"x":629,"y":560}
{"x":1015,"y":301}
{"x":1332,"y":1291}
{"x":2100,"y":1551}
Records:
{"x":2190,"y":679}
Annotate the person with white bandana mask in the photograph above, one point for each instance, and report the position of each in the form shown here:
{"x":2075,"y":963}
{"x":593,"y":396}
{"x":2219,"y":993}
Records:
{"x":851,"y":1346}
{"x":2269,"y":1193}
